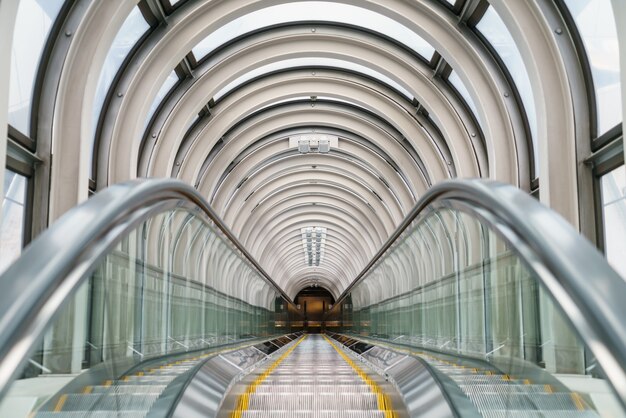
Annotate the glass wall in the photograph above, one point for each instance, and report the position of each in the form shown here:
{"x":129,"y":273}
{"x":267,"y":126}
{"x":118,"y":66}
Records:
{"x":32,"y":26}
{"x":613,"y":189}
{"x":171,"y":293}
{"x":13,"y":218}
{"x":596,"y":24}
{"x":311,"y":11}
{"x":492,"y":27}
{"x":133,"y":28}
{"x":455,"y":292}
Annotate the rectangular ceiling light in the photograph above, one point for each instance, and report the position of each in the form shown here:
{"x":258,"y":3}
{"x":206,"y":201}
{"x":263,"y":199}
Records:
{"x":313,"y":243}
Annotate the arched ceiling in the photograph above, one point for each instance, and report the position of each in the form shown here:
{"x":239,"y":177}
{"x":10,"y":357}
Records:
{"x":312,"y":128}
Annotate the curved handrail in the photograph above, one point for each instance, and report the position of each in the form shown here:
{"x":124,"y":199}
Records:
{"x":53,"y":266}
{"x":570,"y":268}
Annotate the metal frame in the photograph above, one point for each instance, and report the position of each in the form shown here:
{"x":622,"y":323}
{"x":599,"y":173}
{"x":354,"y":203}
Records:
{"x":603,"y":161}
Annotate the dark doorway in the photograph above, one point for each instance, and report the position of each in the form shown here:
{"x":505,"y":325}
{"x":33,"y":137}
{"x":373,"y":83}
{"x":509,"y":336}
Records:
{"x":314,"y":303}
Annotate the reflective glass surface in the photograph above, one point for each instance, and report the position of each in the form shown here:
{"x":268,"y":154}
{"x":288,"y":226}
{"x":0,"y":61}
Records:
{"x":12,"y":221}
{"x":167,"y":86}
{"x":32,"y":26}
{"x":312,"y":62}
{"x":131,"y":31}
{"x":172,"y":293}
{"x":614,"y":217}
{"x":460,"y":87}
{"x":312,"y":11}
{"x":453,"y":292}
{"x":596,"y":25}
{"x":493,"y":28}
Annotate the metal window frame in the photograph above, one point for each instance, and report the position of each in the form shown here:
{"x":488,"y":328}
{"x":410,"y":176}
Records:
{"x":24,"y":166}
{"x":607,"y":159}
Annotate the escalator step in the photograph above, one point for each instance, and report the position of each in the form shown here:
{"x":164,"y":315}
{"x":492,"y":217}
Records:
{"x":106,"y":402}
{"x":313,"y":401}
{"x":313,"y":414}
{"x":472,"y":379}
{"x":540,"y":414}
{"x":503,"y":388}
{"x":145,"y":380}
{"x":300,"y":388}
{"x":529,"y":402}
{"x":313,"y":380}
{"x":92,"y":414}
{"x":129,"y":389}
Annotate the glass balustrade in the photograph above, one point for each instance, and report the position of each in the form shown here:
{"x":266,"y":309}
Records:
{"x":456,"y":293}
{"x":168,"y":295}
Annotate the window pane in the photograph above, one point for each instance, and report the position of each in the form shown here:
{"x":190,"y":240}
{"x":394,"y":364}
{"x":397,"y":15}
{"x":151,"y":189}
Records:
{"x":315,"y":11}
{"x":458,"y":84}
{"x":131,"y":31}
{"x":614,"y":215}
{"x":33,"y":23}
{"x":494,"y":29}
{"x":596,"y":24}
{"x":169,"y":83}
{"x":312,"y":62}
{"x":12,"y":222}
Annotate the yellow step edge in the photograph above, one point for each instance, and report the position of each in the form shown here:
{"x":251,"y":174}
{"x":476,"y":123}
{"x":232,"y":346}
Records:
{"x":59,"y":405}
{"x":384,"y":403}
{"x":578,"y":401}
{"x":244,"y":398}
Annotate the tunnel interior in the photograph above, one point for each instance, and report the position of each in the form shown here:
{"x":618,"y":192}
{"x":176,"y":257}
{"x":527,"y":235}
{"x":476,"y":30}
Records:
{"x":314,"y":302}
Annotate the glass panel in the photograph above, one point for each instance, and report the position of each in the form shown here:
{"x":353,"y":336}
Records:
{"x":32,"y":25}
{"x":170,"y":294}
{"x":312,"y":62}
{"x":12,"y":221}
{"x":167,"y":86}
{"x":596,"y":24}
{"x":453,"y":292}
{"x":130,"y":32}
{"x":314,"y":11}
{"x":458,"y":84}
{"x":614,"y":216}
{"x":494,"y":29}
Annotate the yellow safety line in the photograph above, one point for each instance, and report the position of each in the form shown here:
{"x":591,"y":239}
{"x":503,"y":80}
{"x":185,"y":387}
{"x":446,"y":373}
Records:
{"x":59,"y":406}
{"x":578,"y":401}
{"x":87,"y":389}
{"x":244,"y":398}
{"x":384,"y":403}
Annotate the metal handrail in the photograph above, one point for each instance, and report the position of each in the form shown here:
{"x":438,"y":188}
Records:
{"x":52,"y":267}
{"x":570,"y":268}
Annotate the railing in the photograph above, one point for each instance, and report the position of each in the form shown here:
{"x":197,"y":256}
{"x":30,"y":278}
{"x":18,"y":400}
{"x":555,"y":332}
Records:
{"x":150,"y":222}
{"x":516,"y":256}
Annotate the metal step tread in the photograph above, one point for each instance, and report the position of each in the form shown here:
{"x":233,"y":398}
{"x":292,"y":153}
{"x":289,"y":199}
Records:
{"x":318,"y":388}
{"x":108,"y":402}
{"x":129,"y":389}
{"x":539,"y":414}
{"x":521,"y":401}
{"x":92,"y":414}
{"x":313,"y":414}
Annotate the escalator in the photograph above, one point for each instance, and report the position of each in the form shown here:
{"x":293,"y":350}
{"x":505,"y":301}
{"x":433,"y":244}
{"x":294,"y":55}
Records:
{"x":140,"y":303}
{"x":314,"y":379}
